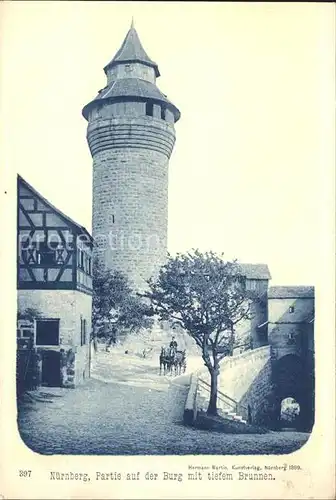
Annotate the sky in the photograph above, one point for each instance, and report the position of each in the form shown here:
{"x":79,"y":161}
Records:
{"x":252,"y":171}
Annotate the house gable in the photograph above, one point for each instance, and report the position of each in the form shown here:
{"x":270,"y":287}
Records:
{"x":47,"y":242}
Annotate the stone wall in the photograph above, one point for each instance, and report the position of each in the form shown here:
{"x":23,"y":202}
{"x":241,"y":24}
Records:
{"x":108,"y":130}
{"x":237,"y":373}
{"x":279,"y":310}
{"x":291,"y":332}
{"x":130,"y":211}
{"x":256,"y":397}
{"x":53,"y":304}
{"x":291,"y":338}
{"x":246,"y":378}
{"x":119,"y":109}
{"x":68,"y":306}
{"x":83,"y":308}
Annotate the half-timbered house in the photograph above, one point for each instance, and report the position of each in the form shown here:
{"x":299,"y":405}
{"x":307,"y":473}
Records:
{"x":54,"y":283}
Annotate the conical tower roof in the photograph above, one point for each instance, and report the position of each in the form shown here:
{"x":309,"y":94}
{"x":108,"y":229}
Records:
{"x":132,"y":50}
{"x":131,"y":88}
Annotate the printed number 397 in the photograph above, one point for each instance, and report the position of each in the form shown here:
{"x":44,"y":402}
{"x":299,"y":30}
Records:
{"x":24,"y":473}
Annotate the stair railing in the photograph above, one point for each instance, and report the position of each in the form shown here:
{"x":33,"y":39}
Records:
{"x":227,"y":400}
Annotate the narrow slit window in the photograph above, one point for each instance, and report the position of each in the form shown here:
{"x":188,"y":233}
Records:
{"x":291,"y":309}
{"x":291,"y":338}
{"x":83,"y":331}
{"x":80,"y":261}
{"x":163,"y":113}
{"x":149,"y":108}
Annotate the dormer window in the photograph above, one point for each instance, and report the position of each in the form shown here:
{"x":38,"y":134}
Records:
{"x":149,"y":108}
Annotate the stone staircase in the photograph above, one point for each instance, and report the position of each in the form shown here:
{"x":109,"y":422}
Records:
{"x":231,"y":415}
{"x":227,"y":407}
{"x":237,"y":376}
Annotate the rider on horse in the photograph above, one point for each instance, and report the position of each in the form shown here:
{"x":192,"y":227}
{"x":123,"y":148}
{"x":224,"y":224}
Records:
{"x":173,"y":344}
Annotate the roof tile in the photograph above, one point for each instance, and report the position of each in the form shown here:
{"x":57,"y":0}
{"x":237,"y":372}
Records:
{"x":132,"y":50}
{"x":255,"y":271}
{"x":132,"y":87}
{"x":291,"y":292}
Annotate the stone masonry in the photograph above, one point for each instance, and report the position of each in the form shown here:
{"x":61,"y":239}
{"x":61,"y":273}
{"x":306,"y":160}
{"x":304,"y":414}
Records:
{"x":130,"y":220}
{"x":291,"y":327}
{"x":69,"y":306}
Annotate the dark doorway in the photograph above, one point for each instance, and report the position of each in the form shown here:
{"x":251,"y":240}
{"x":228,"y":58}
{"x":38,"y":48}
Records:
{"x":293,"y":377}
{"x":51,"y":368}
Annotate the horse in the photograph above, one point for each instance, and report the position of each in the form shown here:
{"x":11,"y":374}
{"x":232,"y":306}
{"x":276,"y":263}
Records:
{"x":180,"y":362}
{"x":166,"y":359}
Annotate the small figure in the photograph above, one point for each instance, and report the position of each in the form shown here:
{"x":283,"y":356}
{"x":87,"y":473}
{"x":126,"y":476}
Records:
{"x":249,"y":414}
{"x":173,"y":343}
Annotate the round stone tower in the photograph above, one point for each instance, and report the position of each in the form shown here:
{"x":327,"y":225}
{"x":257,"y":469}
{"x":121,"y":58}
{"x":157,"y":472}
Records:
{"x":131,"y":137}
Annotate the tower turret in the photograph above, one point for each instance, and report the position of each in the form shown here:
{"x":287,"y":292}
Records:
{"x":131,"y":137}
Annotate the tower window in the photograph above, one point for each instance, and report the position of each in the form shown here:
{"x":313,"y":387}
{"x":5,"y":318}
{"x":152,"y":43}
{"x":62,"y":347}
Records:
{"x":149,"y":108}
{"x":163,"y":113}
{"x":291,"y":309}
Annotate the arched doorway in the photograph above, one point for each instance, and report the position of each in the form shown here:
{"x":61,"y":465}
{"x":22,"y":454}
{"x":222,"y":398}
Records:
{"x":293,"y":378}
{"x":289,"y":413}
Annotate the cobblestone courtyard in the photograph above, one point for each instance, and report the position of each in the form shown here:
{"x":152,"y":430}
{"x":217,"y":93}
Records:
{"x":128,"y":409}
